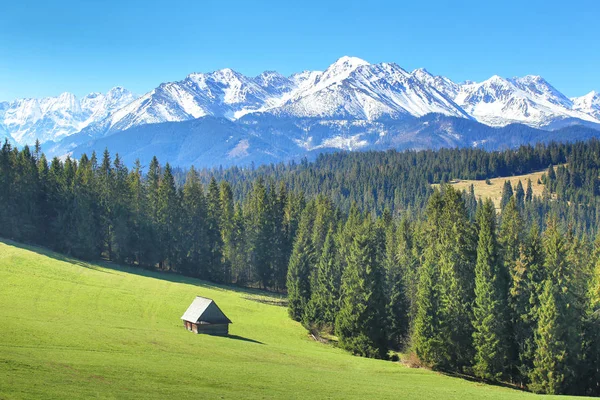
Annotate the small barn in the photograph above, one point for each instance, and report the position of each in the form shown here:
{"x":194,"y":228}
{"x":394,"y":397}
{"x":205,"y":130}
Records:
{"x":204,"y":316}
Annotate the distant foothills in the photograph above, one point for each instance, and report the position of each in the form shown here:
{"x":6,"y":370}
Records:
{"x":226,"y":118}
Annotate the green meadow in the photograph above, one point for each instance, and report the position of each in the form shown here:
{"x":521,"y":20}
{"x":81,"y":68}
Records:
{"x":70,"y":329}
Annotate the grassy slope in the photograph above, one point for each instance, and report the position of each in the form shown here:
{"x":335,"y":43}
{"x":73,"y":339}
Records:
{"x":70,"y":329}
{"x":494,"y":191}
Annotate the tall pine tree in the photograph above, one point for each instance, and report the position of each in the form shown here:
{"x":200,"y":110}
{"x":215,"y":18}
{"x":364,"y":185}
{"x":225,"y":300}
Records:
{"x":490,"y":338}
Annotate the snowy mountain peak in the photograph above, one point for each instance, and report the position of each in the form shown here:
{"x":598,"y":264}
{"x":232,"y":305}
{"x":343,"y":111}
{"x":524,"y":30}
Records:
{"x":340,"y":70}
{"x":421,"y":72}
{"x":590,"y":103}
{"x":352,"y":62}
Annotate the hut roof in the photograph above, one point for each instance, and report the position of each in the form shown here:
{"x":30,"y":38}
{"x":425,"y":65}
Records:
{"x":205,"y":310}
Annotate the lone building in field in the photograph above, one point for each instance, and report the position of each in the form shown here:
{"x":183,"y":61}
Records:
{"x":204,"y":316}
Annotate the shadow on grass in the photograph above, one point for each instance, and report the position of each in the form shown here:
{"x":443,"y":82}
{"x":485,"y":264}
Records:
{"x":243,"y":339}
{"x":472,"y":378}
{"x":106,"y":267}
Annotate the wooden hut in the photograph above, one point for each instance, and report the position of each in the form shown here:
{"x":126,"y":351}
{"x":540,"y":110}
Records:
{"x":204,"y":316}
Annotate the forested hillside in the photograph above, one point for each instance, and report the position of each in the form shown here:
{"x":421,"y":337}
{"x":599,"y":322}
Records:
{"x":361,"y":243}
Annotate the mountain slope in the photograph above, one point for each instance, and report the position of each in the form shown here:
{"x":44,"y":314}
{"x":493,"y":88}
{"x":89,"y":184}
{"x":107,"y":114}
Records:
{"x":265,"y":138}
{"x":529,"y":100}
{"x":82,"y":330}
{"x":352,"y":88}
{"x":589,"y":104}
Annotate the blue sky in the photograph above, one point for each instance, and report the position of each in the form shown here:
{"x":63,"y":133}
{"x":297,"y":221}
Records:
{"x":85,"y":46}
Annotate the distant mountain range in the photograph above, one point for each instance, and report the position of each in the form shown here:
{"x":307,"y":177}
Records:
{"x":226,"y":118}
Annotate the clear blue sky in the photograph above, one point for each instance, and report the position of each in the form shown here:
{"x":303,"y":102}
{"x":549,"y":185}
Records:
{"x":47,"y":47}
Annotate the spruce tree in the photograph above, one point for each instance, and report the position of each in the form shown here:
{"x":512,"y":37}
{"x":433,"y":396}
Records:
{"x":168,"y":219}
{"x":259,"y":231}
{"x":520,"y":195}
{"x":121,"y":219}
{"x":85,"y":245}
{"x":361,"y":323}
{"x":227,"y":229}
{"x":556,"y":334}
{"x":240,"y":267}
{"x":527,"y":278}
{"x":490,"y":314}
{"x":529,"y":192}
{"x":105,"y":197}
{"x":397,"y":306}
{"x":193,"y":222}
{"x":456,"y":250}
{"x":591,"y":336}
{"x":550,"y":372}
{"x":301,"y":263}
{"x":214,"y":240}
{"x":427,"y":337}
{"x":323,"y":306}
{"x":140,"y":225}
{"x":151,"y":247}
{"x":507,"y":194}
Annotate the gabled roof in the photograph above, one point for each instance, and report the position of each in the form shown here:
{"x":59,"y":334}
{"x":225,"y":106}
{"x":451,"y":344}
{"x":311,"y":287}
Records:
{"x":205,"y":310}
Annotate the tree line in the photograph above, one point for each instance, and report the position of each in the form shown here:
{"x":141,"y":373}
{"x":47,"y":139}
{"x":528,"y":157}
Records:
{"x":479,"y":294}
{"x":94,"y":209}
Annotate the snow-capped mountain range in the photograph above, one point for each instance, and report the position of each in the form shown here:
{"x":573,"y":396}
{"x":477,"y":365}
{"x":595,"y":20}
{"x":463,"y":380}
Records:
{"x":350,"y":95}
{"x":53,"y":118}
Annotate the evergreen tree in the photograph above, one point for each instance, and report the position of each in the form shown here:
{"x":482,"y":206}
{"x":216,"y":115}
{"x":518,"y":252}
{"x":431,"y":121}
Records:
{"x":194,"y":244}
{"x":507,"y":194}
{"x":105,"y":196}
{"x":152,"y":185}
{"x":551,"y":178}
{"x":227,"y":229}
{"x":168,"y":219}
{"x":527,"y":278}
{"x":427,"y":337}
{"x":259,"y":233}
{"x":490,"y":318}
{"x":361,"y":323}
{"x":214,"y":240}
{"x":529,"y":192}
{"x":323,"y":306}
{"x":456,"y":249}
{"x":397,"y":307}
{"x":520,"y":195}
{"x":121,"y":219}
{"x":240,"y":269}
{"x":556,"y":334}
{"x":277,"y":255}
{"x":550,"y":371}
{"x":301,"y":262}
{"x":85,"y":245}
{"x":140,"y":225}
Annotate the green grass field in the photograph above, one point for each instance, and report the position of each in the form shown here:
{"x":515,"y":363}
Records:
{"x":71,"y":329}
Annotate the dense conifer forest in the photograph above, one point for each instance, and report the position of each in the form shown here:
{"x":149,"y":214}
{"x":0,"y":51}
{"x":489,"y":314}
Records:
{"x":363,"y":246}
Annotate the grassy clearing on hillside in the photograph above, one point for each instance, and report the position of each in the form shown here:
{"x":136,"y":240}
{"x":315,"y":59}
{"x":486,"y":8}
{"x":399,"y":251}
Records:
{"x":73,"y":329}
{"x":494,"y":190}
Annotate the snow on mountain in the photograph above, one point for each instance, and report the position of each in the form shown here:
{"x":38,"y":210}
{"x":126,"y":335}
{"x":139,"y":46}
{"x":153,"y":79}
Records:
{"x":528,"y":100}
{"x":439,"y":83}
{"x":349,"y":89}
{"x":223,"y":93}
{"x":53,"y":118}
{"x":353,"y":88}
{"x":589,"y":104}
